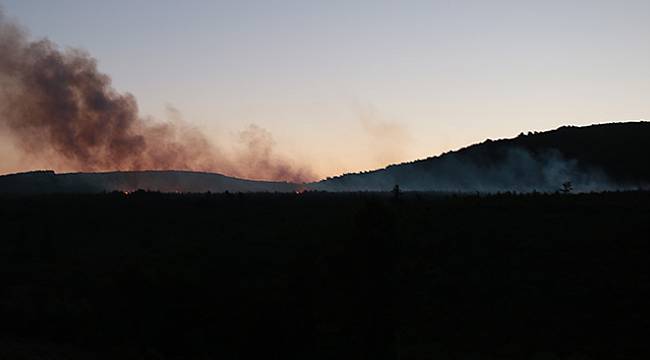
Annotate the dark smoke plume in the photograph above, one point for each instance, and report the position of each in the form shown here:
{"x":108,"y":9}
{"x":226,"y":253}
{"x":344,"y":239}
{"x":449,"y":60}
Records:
{"x":56,"y":105}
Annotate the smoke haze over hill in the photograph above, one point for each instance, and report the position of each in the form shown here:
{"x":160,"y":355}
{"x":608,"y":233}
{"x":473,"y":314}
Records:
{"x":59,"y":109}
{"x":593,"y":158}
{"x":56,"y":105}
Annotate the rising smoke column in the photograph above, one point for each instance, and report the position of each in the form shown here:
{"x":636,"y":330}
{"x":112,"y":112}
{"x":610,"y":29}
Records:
{"x":57,"y":105}
{"x":258,"y":157}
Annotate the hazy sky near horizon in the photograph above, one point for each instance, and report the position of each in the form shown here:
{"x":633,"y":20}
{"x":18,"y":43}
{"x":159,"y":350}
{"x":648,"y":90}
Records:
{"x":355,"y":85}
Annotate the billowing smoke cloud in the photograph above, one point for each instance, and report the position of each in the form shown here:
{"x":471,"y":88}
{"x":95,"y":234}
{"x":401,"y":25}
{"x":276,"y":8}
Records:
{"x":56,"y":105}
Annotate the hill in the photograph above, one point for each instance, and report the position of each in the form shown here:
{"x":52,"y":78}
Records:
{"x":593,"y":158}
{"x":165,"y":181}
{"x":597,"y":157}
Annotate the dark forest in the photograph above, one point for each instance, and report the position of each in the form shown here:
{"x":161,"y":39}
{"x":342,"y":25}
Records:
{"x":325,"y":275}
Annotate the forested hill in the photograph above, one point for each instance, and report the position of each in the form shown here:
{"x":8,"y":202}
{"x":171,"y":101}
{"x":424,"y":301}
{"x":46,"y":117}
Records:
{"x":597,"y":157}
{"x":165,"y":181}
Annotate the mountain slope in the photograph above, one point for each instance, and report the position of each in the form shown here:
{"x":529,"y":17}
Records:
{"x":596,"y":157}
{"x":166,"y":181}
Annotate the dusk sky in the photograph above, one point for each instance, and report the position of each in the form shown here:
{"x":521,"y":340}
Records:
{"x":355,"y":85}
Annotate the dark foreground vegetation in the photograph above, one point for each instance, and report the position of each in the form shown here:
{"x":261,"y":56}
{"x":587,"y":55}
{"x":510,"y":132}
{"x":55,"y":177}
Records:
{"x":325,"y":276}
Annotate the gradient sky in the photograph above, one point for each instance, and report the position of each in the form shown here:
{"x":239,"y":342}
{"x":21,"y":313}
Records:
{"x":354,"y":85}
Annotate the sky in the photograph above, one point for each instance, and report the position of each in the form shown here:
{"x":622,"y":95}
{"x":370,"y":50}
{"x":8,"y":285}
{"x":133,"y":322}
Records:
{"x":355,"y":85}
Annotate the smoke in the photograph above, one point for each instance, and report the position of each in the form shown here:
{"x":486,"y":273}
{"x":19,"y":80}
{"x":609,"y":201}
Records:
{"x":258,"y":157}
{"x":507,"y":169}
{"x":56,"y":106}
{"x":388,"y":139}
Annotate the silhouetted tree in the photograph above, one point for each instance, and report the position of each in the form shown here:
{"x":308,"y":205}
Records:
{"x":396,"y":192}
{"x":567,"y":187}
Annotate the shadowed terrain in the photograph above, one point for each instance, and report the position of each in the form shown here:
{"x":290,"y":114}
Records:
{"x":44,"y":182}
{"x":325,"y":276}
